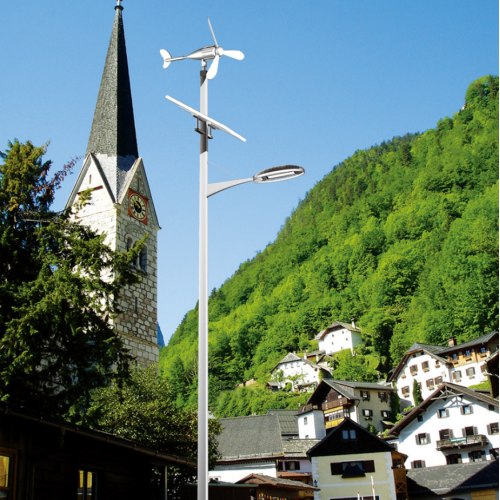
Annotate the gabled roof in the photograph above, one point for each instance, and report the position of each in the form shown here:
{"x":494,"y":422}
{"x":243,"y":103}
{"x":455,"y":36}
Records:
{"x":483,"y":339}
{"x":343,"y":387}
{"x":290,"y":357}
{"x":333,"y":444}
{"x":456,"y":478}
{"x":261,"y":480}
{"x":252,"y":437}
{"x":444,"y":389}
{"x":334,"y":326}
{"x":440,"y":352}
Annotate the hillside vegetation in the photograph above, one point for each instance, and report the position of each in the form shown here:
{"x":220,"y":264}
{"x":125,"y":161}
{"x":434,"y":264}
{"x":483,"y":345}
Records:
{"x":402,"y":236}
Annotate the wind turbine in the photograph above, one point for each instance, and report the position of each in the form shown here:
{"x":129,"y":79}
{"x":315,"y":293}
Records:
{"x":212,"y":52}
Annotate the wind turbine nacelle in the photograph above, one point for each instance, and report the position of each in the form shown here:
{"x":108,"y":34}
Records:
{"x":206,"y":53}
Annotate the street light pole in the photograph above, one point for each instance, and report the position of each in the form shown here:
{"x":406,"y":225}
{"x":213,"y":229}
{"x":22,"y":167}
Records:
{"x":203,"y":299}
{"x":274,"y":174}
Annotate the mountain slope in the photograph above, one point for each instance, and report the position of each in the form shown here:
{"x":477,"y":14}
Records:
{"x":403,"y":236}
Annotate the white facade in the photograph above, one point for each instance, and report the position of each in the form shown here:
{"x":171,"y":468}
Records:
{"x":430,"y":371}
{"x":452,"y":418}
{"x":296,"y":370}
{"x":234,"y":472}
{"x":339,"y":340}
{"x":312,"y":425}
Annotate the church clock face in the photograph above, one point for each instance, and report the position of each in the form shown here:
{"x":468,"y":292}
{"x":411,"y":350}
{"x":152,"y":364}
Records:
{"x":138,"y":207}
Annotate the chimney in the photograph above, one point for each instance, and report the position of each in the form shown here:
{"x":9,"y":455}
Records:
{"x":305,"y":354}
{"x":452,"y":342}
{"x":317,"y":358}
{"x":353,"y":322}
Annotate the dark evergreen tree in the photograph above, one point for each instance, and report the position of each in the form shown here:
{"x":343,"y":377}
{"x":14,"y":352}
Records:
{"x":56,"y":344}
{"x":417,"y":393}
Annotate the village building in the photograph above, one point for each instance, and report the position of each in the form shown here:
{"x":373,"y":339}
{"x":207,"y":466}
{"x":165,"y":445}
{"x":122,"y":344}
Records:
{"x":262,"y":444}
{"x":298,"y":371}
{"x":453,"y":425}
{"x":334,"y":400}
{"x":338,"y":337}
{"x":431,"y":365}
{"x":121,"y":204}
{"x":466,"y":481}
{"x":350,"y":459}
{"x":271,"y":487}
{"x":49,"y":458}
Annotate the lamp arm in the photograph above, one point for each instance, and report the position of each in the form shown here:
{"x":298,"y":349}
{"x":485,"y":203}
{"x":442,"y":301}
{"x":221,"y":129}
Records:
{"x":217,"y":187}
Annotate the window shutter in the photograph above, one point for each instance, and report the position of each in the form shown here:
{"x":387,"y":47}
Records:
{"x":488,"y":427}
{"x":336,"y":468}
{"x":471,"y":409}
{"x":369,"y":465}
{"x":439,"y":414}
{"x":461,"y":410}
{"x":423,"y":463}
{"x":416,"y":439}
{"x":475,"y":431}
{"x":428,"y":438}
{"x":451,"y":433}
{"x":463,"y":432}
{"x":447,"y":413}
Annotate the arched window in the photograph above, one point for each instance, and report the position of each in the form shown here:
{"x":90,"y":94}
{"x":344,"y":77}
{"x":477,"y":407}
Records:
{"x":143,"y":259}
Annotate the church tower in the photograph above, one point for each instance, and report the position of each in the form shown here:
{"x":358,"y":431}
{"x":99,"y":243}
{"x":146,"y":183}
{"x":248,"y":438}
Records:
{"x":121,"y":205}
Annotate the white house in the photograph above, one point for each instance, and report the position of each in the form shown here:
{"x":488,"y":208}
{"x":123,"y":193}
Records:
{"x":262,"y":444}
{"x":339,"y":336}
{"x":300,"y":372}
{"x":431,"y":365}
{"x":335,"y":400}
{"x":453,"y":425}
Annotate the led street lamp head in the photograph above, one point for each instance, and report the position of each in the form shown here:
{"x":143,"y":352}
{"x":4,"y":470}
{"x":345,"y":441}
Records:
{"x":276,"y":174}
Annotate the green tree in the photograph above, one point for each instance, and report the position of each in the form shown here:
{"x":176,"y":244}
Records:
{"x":349,"y":367}
{"x":417,"y":393}
{"x":395,"y":403}
{"x":144,"y":410}
{"x":56,"y":342}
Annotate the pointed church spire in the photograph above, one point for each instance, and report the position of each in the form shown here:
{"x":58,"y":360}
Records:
{"x":112,"y":137}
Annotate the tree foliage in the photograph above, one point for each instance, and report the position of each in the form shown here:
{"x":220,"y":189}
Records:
{"x":403,"y":236}
{"x":144,"y":410}
{"x":56,"y":342}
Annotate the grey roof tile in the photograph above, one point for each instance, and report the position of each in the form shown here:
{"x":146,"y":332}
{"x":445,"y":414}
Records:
{"x":256,"y":436}
{"x":452,"y":478}
{"x":287,"y":420}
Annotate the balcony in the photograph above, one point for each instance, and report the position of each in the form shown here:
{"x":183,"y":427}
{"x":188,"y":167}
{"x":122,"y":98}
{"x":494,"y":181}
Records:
{"x":337,"y":403}
{"x":308,"y":408}
{"x":333,"y":423}
{"x":476,"y":440}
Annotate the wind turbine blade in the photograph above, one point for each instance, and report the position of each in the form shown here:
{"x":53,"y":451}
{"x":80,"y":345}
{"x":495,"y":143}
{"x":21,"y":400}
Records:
{"x":212,"y":71}
{"x":235,"y":54}
{"x":166,"y":55}
{"x":210,"y":24}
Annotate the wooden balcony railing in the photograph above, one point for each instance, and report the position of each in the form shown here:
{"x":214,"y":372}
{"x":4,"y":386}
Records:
{"x":337,"y":403}
{"x":307,"y":408}
{"x":477,"y":439}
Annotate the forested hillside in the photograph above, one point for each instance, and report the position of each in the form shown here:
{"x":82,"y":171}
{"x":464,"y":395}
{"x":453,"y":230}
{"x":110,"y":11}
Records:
{"x":403,"y":236}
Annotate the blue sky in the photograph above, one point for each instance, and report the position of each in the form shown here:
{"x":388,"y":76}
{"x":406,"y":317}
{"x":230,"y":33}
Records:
{"x":319,"y":81}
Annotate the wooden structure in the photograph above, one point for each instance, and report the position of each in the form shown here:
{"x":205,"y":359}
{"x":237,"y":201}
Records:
{"x":267,"y":487}
{"x":45,"y":458}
